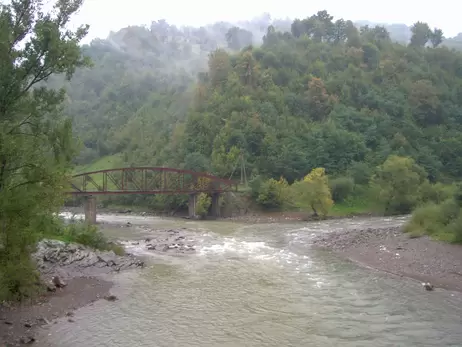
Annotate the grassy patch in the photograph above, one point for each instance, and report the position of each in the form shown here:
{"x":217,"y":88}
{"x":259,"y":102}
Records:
{"x":352,"y":206}
{"x":104,"y":163}
{"x":84,"y":234}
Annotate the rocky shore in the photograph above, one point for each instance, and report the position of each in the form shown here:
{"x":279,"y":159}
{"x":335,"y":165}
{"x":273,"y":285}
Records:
{"x":73,"y":277}
{"x":393,"y":251}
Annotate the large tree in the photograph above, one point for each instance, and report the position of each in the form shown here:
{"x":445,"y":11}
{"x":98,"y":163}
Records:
{"x":36,"y":144}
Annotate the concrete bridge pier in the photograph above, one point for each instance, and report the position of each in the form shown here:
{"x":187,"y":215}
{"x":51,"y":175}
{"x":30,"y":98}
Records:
{"x":215,"y":205}
{"x":192,"y":205}
{"x":89,"y":207}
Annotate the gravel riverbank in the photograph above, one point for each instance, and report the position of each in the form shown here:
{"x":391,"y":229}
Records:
{"x":74,"y":276}
{"x":390,"y":250}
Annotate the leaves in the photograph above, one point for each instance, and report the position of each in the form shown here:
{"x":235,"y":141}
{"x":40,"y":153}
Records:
{"x":36,"y":144}
{"x":313,"y":192}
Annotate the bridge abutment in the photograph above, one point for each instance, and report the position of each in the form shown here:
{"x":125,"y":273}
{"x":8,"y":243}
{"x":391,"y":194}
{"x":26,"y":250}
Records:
{"x":215,"y":205}
{"x":192,"y":205}
{"x":89,"y":207}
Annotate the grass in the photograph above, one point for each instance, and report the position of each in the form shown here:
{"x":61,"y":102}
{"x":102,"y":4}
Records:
{"x":352,"y":206}
{"x":81,"y":233}
{"x":104,"y":163}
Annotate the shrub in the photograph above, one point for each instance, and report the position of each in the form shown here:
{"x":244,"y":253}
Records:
{"x":272,"y":194}
{"x":441,"y":221}
{"x":341,"y":188}
{"x":203,"y":204}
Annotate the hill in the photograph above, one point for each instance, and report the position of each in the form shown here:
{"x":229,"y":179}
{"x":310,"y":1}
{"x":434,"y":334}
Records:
{"x":324,"y":94}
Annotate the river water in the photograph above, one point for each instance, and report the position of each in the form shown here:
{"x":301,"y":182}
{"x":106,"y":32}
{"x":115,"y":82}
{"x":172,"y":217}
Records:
{"x":260,"y":285}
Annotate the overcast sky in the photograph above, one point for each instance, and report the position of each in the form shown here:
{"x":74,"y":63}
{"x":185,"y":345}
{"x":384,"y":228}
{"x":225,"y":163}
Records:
{"x":106,"y":15}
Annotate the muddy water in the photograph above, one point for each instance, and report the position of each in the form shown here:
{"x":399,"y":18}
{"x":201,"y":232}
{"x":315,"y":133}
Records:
{"x":261,"y":285}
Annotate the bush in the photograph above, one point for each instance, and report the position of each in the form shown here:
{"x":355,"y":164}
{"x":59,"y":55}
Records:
{"x":203,"y":204}
{"x":341,"y":188}
{"x":441,"y":221}
{"x":436,"y":193}
{"x":272,"y":194}
{"x":19,"y":279}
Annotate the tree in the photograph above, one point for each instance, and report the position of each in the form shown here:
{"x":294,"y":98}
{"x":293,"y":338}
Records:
{"x":313,"y":192}
{"x":436,"y":37}
{"x":399,"y":180}
{"x":36,"y":146}
{"x":238,"y":38}
{"x":320,"y":103}
{"x":421,"y":33}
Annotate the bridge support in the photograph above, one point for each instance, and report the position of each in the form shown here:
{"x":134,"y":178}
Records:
{"x":215,"y":205}
{"x":192,"y":205}
{"x":90,"y":209}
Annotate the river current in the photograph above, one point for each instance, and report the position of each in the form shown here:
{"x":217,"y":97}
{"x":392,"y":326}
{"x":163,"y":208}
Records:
{"x":260,"y":285}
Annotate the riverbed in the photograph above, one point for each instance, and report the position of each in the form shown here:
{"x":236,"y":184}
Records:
{"x":258,"y":285}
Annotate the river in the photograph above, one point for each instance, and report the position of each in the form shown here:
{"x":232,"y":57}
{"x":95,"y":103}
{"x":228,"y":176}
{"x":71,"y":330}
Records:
{"x":260,"y":285}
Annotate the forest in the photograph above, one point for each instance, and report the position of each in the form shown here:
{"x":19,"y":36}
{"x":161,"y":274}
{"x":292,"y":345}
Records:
{"x":313,"y":93}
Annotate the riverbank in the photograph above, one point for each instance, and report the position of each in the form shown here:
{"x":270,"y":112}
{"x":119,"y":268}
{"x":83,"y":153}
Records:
{"x":74,"y":276}
{"x":395,"y":252}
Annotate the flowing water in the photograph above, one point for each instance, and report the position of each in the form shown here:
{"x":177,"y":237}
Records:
{"x":261,"y":285}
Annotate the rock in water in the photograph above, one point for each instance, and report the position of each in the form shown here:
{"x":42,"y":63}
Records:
{"x":428,"y":286}
{"x":111,"y":298}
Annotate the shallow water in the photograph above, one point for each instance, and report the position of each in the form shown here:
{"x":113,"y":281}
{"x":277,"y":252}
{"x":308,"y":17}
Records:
{"x":261,"y":285}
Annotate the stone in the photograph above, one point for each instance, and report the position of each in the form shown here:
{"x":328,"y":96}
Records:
{"x":58,"y":282}
{"x":27,"y":340}
{"x":428,"y":286}
{"x":111,"y":298}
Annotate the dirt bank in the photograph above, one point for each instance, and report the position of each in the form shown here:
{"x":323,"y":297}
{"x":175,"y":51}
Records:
{"x":73,"y":275}
{"x":392,"y":251}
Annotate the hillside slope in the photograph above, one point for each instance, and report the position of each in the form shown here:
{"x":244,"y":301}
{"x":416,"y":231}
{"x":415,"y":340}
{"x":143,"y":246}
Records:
{"x":323,"y":94}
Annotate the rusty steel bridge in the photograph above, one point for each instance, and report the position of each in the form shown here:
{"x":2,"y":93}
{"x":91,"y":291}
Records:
{"x":148,"y":180}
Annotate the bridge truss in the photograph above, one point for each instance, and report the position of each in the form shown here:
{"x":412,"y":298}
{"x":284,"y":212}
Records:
{"x":148,"y":180}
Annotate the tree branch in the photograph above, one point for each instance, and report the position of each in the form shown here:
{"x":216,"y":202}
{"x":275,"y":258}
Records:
{"x":21,"y":34}
{"x":24,"y":184}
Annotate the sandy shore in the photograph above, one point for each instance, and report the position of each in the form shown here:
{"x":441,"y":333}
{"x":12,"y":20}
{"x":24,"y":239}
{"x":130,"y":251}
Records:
{"x":392,"y":251}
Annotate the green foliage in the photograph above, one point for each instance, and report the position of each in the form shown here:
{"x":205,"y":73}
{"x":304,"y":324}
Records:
{"x":399,"y":181}
{"x":203,"y":203}
{"x":341,"y":188}
{"x":324,"y":94}
{"x":36,"y":145}
{"x":313,"y":193}
{"x":441,"y":221}
{"x":77,"y":232}
{"x":272,"y":194}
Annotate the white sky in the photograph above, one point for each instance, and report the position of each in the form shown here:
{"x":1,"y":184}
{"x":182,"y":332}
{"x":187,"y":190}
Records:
{"x":106,"y":15}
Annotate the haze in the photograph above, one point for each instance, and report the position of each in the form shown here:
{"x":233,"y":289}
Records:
{"x":106,"y":15}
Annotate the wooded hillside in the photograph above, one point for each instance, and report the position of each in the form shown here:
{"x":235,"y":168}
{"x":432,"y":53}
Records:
{"x":325,"y":94}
